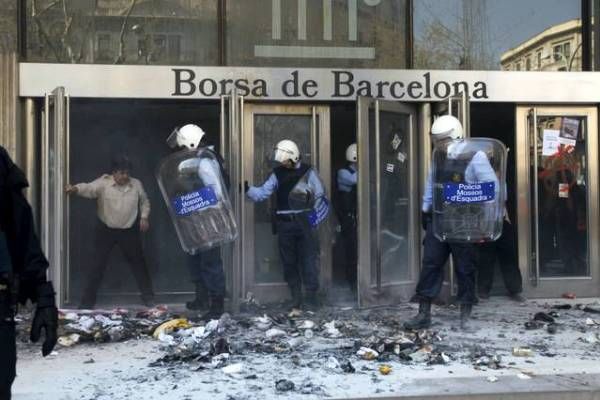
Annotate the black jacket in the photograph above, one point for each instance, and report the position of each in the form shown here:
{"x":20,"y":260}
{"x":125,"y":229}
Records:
{"x":16,"y":221}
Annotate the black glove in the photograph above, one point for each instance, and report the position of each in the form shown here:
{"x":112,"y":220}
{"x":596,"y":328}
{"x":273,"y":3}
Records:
{"x":45,"y":317}
{"x":246,"y":187}
{"x":426,"y":218}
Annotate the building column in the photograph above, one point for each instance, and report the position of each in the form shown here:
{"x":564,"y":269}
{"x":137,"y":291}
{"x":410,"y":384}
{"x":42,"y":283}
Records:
{"x":9,"y":79}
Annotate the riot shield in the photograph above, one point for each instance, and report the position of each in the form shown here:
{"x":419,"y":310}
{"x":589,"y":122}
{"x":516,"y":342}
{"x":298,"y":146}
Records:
{"x":469,"y":192}
{"x":198,"y":202}
{"x":309,"y":197}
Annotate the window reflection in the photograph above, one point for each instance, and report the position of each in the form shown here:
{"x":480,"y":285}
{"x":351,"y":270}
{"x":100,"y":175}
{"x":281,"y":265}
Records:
{"x":170,"y":32}
{"x":317,"y":33}
{"x":494,"y":35}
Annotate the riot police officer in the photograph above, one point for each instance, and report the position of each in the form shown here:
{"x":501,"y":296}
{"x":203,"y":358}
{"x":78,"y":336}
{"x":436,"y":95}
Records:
{"x":347,"y":178}
{"x":298,"y":246}
{"x":22,"y":273}
{"x":205,"y":266}
{"x":436,"y":252}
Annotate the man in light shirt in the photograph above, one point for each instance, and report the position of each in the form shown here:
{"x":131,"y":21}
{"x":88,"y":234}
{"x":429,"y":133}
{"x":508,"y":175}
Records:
{"x":122,"y":202}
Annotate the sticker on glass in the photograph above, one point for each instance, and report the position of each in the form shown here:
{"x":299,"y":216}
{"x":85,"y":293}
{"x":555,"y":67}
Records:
{"x":568,"y":131}
{"x":563,"y":190}
{"x":550,"y":142}
{"x":396,"y":142}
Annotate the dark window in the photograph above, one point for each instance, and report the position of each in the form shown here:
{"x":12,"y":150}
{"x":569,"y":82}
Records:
{"x":104,"y":47}
{"x":174,"y":48}
{"x":567,"y":50}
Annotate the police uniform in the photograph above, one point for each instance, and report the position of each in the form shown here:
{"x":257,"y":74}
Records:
{"x":298,"y":246}
{"x":23,"y":275}
{"x":206,"y":267}
{"x":346,"y":185}
{"x":465,"y":169}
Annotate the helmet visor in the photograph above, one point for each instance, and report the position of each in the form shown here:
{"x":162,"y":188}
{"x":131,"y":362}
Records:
{"x":280,"y":155}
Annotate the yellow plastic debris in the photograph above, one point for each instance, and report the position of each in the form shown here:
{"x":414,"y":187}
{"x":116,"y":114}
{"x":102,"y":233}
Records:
{"x":170,"y":326}
{"x":385,"y":369}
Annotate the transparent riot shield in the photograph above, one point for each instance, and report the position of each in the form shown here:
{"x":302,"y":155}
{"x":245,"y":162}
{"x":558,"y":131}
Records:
{"x":309,"y":197}
{"x":469,"y":178}
{"x":197,"y":199}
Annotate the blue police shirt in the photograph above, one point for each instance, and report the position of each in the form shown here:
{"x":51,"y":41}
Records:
{"x":261,"y":193}
{"x":347,"y":178}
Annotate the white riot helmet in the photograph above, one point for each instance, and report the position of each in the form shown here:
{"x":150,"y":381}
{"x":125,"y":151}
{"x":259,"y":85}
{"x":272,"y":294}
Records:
{"x":351,"y":154}
{"x":188,"y":136}
{"x":446,"y":127}
{"x":286,"y":150}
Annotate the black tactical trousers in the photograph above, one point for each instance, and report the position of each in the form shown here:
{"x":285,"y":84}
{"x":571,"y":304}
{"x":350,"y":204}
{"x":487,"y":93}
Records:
{"x":299,"y":254}
{"x":435,"y":256}
{"x":350,"y":246}
{"x":206,"y":268}
{"x":8,"y":351}
{"x":505,"y":250}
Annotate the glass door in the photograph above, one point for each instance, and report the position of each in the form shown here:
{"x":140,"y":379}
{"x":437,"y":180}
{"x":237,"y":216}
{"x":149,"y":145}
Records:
{"x":54,"y":227}
{"x":264,"y":126}
{"x":558,"y":199}
{"x":388,"y":253}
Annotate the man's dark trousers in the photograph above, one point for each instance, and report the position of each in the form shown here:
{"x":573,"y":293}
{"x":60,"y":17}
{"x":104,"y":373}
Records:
{"x":299,"y":253}
{"x":504,"y":248}
{"x":130,"y":243}
{"x":435,"y":256}
{"x":206,"y":268}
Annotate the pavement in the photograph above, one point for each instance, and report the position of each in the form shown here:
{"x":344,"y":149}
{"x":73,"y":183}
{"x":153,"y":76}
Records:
{"x":563,"y":365}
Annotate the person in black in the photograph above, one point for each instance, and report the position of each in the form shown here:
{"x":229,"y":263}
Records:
{"x":346,"y":186}
{"x":298,"y":246}
{"x":22,"y":273}
{"x":505,"y":251}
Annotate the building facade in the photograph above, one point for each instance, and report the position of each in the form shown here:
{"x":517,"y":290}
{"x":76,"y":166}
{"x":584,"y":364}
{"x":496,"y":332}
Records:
{"x":85,"y":80}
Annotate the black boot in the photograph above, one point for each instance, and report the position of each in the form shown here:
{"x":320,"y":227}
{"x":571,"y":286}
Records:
{"x":216,"y":308}
{"x":296,"y":293}
{"x":200,"y":301}
{"x":312,"y":302}
{"x":465,"y":315}
{"x":423,"y":319}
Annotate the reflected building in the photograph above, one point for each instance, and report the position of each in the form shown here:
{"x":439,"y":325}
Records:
{"x":557,"y":48}
{"x":353,"y":33}
{"x":181,"y":32}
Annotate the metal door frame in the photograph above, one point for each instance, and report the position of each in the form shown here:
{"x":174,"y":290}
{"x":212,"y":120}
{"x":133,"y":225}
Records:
{"x":534,"y":285}
{"x":231,"y":122}
{"x":321,"y":142}
{"x":54,"y":221}
{"x":370,"y":293}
